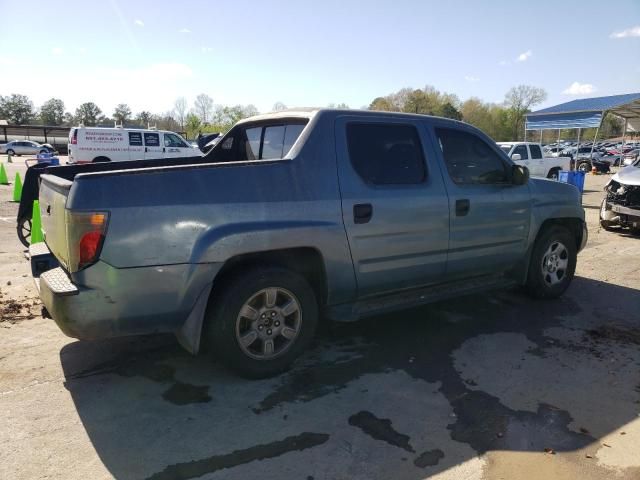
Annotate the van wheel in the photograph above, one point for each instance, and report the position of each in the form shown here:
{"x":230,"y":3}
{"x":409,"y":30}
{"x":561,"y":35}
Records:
{"x":554,"y":174}
{"x":553,"y":263}
{"x":24,"y":231}
{"x":101,"y":159}
{"x":261,"y":321}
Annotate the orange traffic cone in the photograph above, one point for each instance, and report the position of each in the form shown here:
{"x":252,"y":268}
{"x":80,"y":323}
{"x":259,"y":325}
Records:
{"x":594,"y":170}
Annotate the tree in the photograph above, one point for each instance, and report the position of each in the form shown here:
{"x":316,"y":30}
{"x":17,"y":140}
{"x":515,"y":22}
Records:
{"x":279,"y":106}
{"x":122,"y":113}
{"x":519,"y":101}
{"x":381,"y":104}
{"x":203,"y":107}
{"x":449,"y":111}
{"x":16,"y":109}
{"x":180,"y":111}
{"x":52,"y":112}
{"x":225,"y":117}
{"x":193,"y":125}
{"x":144,"y":118}
{"x":69,"y":119}
{"x":88,"y":114}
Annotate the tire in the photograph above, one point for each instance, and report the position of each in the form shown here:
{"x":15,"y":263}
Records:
{"x":44,"y":151}
{"x":11,"y":152}
{"x":268,"y":350}
{"x":553,"y":263}
{"x":554,"y":174}
{"x":584,"y":167}
{"x":101,"y":159}
{"x":24,"y":231}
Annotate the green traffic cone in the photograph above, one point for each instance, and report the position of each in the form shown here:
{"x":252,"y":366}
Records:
{"x":17,"y":188}
{"x":36,"y":224}
{"x":3,"y":175}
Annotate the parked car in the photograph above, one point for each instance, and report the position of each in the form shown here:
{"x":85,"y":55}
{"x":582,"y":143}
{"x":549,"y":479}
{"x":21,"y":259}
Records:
{"x":631,"y":156}
{"x":530,"y":155}
{"x":98,"y":144}
{"x":300,"y":215}
{"x":621,"y":206}
{"x":25,"y":147}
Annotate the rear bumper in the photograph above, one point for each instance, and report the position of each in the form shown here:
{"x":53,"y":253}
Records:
{"x":102,"y":301}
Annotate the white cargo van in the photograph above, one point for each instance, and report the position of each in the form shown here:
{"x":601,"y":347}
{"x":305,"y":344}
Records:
{"x":99,"y":144}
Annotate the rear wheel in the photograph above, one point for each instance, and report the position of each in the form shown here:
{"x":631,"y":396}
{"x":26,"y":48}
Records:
{"x":553,"y":263}
{"x":101,"y":159}
{"x":584,"y":167}
{"x":24,"y":231}
{"x":44,"y":151}
{"x":261,"y":321}
{"x":11,"y":152}
{"x":554,"y":174}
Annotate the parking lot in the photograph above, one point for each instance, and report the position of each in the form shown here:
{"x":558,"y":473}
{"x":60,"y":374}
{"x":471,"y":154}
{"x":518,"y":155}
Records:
{"x":487,"y":386}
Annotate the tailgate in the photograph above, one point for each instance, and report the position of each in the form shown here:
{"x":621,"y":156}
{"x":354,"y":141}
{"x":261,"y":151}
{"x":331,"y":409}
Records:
{"x":53,"y":198}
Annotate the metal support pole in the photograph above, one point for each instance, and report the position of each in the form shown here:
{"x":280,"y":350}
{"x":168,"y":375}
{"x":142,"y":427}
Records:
{"x":577,"y":148}
{"x":594,"y":138}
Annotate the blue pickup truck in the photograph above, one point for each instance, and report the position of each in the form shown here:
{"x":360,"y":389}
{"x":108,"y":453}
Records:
{"x":295,"y":217}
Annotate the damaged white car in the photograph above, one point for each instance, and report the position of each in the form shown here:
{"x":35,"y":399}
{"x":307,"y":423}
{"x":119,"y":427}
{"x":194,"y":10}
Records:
{"x":621,"y":205}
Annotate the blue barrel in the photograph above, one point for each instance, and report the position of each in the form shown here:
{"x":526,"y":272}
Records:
{"x":573,"y":178}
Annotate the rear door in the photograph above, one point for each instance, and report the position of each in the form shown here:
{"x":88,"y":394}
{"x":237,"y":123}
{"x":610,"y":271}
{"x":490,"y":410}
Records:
{"x":489,"y":215}
{"x":152,"y":146}
{"x":394,"y":204}
{"x":175,"y":146}
{"x":538,"y":166}
{"x":136,"y":145}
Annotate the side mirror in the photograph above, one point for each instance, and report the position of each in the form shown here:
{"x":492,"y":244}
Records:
{"x":519,"y":175}
{"x":516,"y":156}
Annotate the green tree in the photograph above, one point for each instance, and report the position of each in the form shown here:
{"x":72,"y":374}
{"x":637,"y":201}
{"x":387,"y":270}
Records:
{"x":449,"y":111}
{"x":193,"y":125}
{"x":88,"y":114}
{"x":144,"y":118}
{"x":52,"y":112}
{"x":16,"y":109}
{"x":381,"y":104}
{"x":122,"y":113}
{"x":519,"y":101}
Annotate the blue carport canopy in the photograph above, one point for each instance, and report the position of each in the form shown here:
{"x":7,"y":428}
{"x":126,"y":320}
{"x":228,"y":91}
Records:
{"x":586,"y":113}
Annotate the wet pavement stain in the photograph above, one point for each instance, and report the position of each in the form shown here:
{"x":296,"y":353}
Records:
{"x":184,"y":394}
{"x":380,"y":429}
{"x":198,"y":468}
{"x":429,"y":458}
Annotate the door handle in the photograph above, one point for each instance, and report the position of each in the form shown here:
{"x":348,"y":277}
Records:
{"x":146,"y":149}
{"x":362,"y":212}
{"x":164,"y":150}
{"x":462,"y":207}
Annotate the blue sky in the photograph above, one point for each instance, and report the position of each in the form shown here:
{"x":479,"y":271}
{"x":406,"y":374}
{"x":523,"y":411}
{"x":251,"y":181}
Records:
{"x":311,"y":53}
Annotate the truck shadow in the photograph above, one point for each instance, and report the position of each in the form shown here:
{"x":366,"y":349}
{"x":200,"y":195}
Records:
{"x":398,"y":396}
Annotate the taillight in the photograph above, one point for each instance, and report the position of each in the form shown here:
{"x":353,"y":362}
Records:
{"x":74,"y":137}
{"x":85,"y":234}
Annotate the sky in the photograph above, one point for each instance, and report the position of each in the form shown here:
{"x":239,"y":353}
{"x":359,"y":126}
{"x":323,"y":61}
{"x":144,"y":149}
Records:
{"x":312,"y":53}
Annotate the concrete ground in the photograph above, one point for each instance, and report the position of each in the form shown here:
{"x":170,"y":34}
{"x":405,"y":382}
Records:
{"x":493,"y":386}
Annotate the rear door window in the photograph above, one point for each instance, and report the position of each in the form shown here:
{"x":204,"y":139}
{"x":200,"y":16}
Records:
{"x":535,"y":151}
{"x":522,"y":151}
{"x":152,"y":139}
{"x":386,"y":154}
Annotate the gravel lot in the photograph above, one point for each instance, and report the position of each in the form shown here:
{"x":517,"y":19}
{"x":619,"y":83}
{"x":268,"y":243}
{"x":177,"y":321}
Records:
{"x":478,"y":388}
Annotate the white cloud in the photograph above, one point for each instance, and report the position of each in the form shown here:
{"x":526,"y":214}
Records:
{"x":139,"y":23}
{"x":57,"y":51}
{"x":523,"y":57}
{"x":206,"y":49}
{"x":577,"y":88}
{"x":629,"y":32}
{"x":471,"y":78}
{"x":184,"y":30}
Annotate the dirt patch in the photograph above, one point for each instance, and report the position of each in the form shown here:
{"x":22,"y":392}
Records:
{"x":13,"y":311}
{"x":615,"y":334}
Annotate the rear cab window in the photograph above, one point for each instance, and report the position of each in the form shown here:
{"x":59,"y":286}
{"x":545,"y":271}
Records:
{"x":535,"y":151}
{"x":262,"y":141}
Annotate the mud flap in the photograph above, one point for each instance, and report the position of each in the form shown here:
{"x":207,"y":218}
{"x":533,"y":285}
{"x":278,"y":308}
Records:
{"x":189,"y":335}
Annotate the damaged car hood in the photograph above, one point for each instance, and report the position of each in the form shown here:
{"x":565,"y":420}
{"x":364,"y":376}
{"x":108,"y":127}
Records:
{"x":628,"y":176}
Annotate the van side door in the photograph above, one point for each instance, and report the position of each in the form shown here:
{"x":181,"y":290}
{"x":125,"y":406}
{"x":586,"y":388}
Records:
{"x":152,"y":146}
{"x":394,"y":204}
{"x":490,"y":216}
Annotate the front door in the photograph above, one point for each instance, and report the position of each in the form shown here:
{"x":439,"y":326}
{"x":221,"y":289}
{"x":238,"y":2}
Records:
{"x":152,"y":146}
{"x":175,"y":146}
{"x":394,"y":204}
{"x":489,"y":215}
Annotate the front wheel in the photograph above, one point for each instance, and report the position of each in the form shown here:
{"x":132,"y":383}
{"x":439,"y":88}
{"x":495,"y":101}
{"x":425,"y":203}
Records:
{"x":24,"y":231}
{"x":261,"y":321}
{"x":553,"y":263}
{"x":11,"y":152}
{"x":553,"y":174}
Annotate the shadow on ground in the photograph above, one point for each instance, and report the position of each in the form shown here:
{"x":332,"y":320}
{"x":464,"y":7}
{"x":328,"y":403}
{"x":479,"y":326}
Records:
{"x":401,"y":396}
